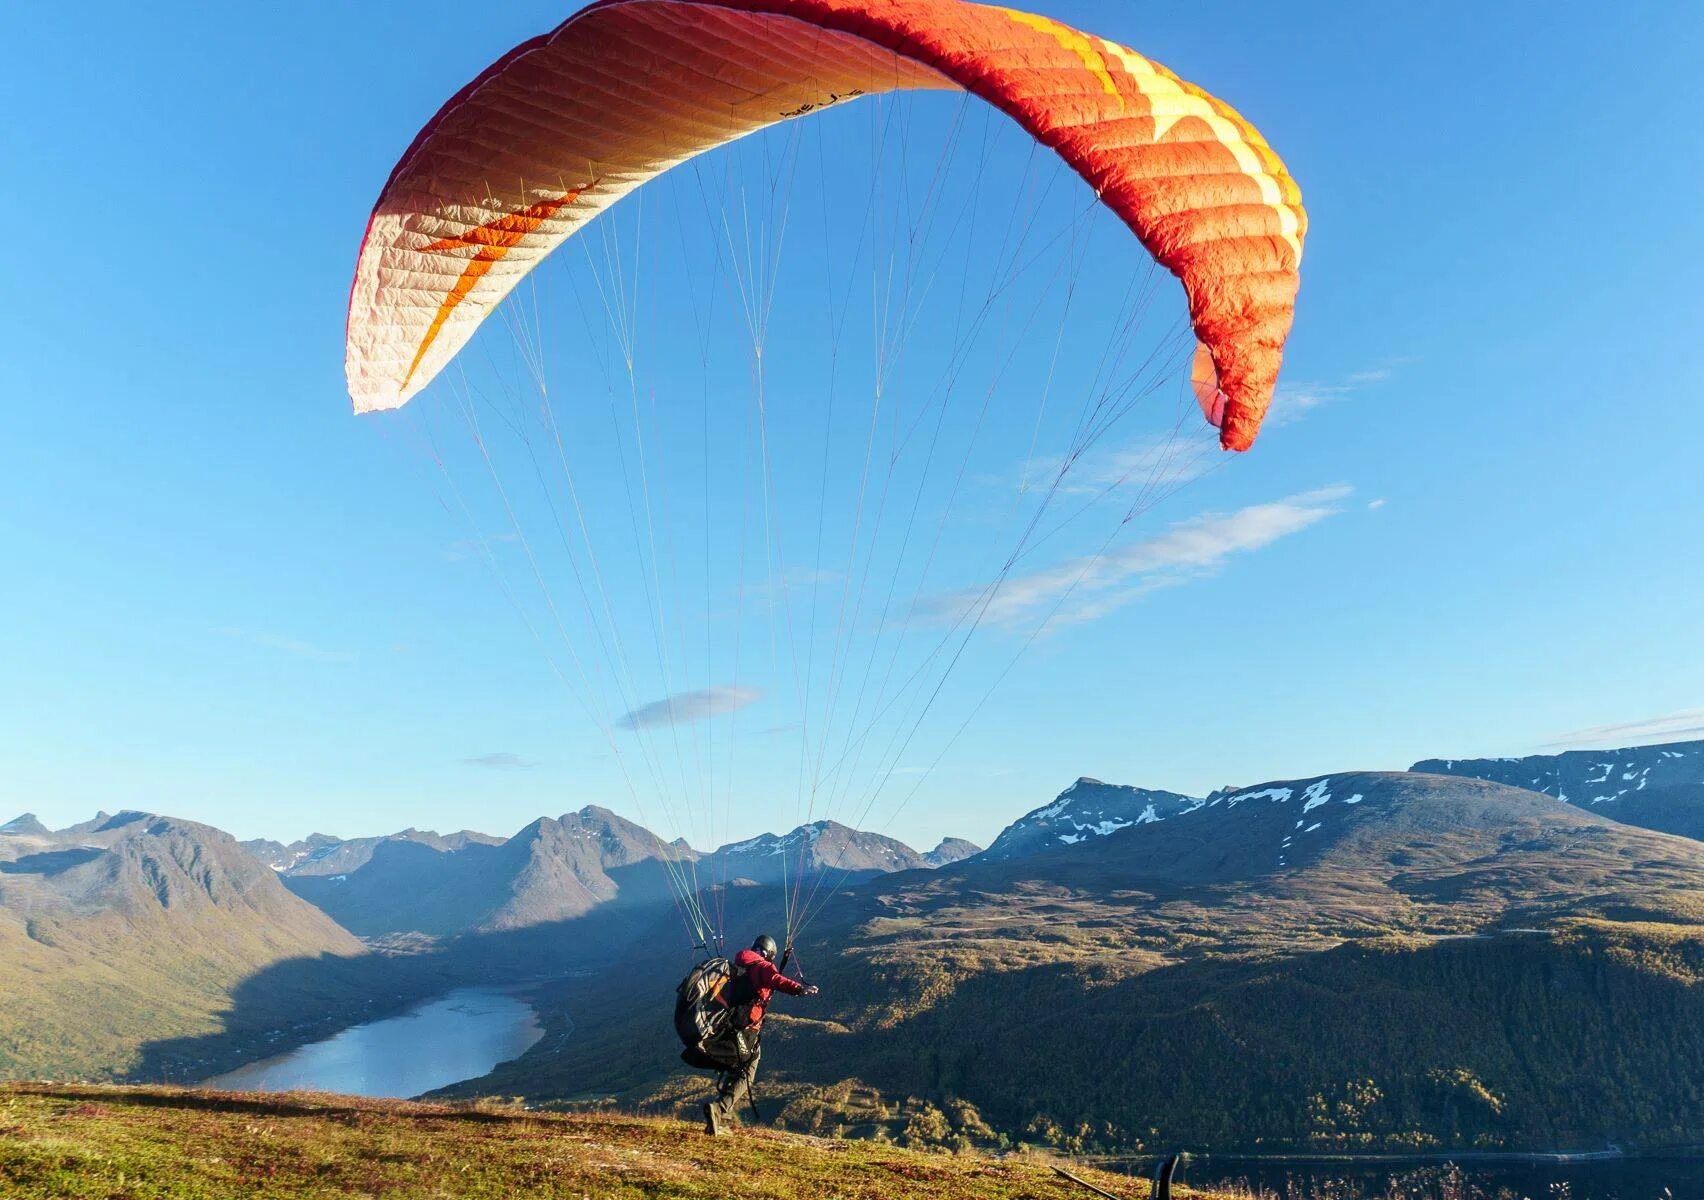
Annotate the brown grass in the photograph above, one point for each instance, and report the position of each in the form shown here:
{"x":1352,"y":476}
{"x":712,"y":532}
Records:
{"x":155,"y":1143}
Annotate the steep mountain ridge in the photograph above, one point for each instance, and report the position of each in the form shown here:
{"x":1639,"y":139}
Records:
{"x":135,"y":926}
{"x":323,"y":854}
{"x":552,"y":870}
{"x":1658,"y":787}
{"x":557,"y":869}
{"x":1087,"y":809}
{"x":282,"y":858}
{"x":951,"y":850}
{"x":810,"y":849}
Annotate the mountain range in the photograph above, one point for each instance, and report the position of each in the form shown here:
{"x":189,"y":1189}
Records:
{"x":1658,"y":787}
{"x":1350,"y":962}
{"x":323,"y":854}
{"x":1397,"y":960}
{"x":559,"y":868}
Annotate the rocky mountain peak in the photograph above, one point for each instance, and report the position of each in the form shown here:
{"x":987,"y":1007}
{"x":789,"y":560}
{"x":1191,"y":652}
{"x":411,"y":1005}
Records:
{"x":1087,"y":809}
{"x":951,"y":850}
{"x":25,"y":824}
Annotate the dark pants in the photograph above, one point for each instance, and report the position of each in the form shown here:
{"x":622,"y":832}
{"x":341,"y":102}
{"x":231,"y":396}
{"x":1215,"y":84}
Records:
{"x":739,"y":1053}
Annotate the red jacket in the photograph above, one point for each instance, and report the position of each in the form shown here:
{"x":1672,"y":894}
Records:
{"x":764,"y":979}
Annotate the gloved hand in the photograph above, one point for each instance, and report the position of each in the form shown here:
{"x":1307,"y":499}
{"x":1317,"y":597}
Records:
{"x":810,"y":990}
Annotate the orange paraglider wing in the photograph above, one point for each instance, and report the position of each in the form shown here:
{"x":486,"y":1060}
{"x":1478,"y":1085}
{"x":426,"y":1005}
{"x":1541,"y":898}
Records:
{"x":563,"y":126}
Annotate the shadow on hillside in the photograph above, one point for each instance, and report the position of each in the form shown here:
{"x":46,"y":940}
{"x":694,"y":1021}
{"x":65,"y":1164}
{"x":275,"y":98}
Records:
{"x":302,"y":1000}
{"x":50,"y":862}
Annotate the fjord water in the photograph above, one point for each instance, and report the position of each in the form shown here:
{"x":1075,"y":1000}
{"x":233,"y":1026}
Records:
{"x":460,"y":1035}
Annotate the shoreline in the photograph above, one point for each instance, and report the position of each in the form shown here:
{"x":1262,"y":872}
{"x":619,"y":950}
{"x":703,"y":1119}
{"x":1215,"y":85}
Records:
{"x":522,"y":991}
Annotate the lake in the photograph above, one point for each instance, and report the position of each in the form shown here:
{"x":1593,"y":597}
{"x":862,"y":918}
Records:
{"x":1612,"y":1179}
{"x":460,"y":1035}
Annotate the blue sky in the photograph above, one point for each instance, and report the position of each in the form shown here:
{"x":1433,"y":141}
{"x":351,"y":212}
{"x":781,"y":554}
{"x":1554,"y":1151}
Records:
{"x":1472,"y":531}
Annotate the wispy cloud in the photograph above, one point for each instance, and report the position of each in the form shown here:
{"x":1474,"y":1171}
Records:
{"x":1159,"y":463}
{"x":1164,"y":464}
{"x":1084,"y":589}
{"x":683,"y":708}
{"x":1670,"y":727}
{"x":294,"y":647}
{"x":1293,"y":401}
{"x":500,"y":760}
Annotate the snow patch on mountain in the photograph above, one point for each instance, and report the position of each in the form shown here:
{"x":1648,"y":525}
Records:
{"x":1594,"y":773}
{"x":1659,"y":787}
{"x":1276,"y":794}
{"x":1316,"y":795}
{"x":1087,"y":811}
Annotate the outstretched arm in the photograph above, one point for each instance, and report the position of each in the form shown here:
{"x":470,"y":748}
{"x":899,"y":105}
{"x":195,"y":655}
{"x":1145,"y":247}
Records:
{"x":767,"y":975}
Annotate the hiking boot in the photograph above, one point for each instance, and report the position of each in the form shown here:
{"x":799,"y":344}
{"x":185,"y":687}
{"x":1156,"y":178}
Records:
{"x":713,"y":1120}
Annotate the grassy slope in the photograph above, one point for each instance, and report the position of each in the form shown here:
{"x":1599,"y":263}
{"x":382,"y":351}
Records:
{"x":164,"y":1144}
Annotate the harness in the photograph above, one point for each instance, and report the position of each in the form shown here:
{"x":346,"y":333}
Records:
{"x":713,"y":1008}
{"x":740,"y":996}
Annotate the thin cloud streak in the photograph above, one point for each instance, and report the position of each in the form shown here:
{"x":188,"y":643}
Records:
{"x":1158,"y":463}
{"x":1165,"y":464}
{"x":1671,"y":727}
{"x":1085,"y":589}
{"x":1293,"y":401}
{"x":501,"y":760}
{"x":295,"y":647}
{"x":685,"y":708}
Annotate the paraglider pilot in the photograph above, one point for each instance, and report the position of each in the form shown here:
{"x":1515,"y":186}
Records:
{"x":738,"y":1049}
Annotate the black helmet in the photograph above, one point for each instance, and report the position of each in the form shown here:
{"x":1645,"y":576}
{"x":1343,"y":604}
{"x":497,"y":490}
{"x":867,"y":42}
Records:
{"x":765,"y":945}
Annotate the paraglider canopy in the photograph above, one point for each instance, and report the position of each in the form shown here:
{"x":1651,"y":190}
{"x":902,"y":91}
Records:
{"x":556,"y":132}
{"x":561,"y":127}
